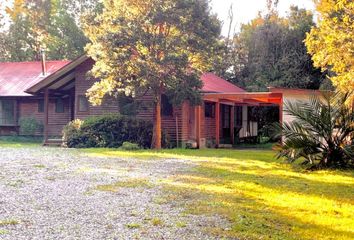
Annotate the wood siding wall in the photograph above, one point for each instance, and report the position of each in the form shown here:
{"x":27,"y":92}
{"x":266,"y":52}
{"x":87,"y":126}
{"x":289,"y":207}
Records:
{"x":110,"y":105}
{"x":82,"y":84}
{"x":180,"y":119}
{"x":29,"y":108}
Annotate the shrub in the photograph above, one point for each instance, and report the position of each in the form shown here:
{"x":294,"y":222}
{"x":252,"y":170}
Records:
{"x":109,"y":131}
{"x":71,"y":133}
{"x":128,"y":146}
{"x":322,"y":132}
{"x":30,"y":126}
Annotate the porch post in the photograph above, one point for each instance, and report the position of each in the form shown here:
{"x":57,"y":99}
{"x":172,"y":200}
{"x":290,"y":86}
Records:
{"x":217,"y":124}
{"x":198,"y":124}
{"x":232,"y":124}
{"x":46,"y":114}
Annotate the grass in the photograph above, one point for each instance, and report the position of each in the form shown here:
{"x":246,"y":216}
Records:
{"x":156,"y":222}
{"x":39,"y":166}
{"x":133,"y":225}
{"x":18,"y":141}
{"x":262,"y":197}
{"x":8,"y":222}
{"x":132,"y":183}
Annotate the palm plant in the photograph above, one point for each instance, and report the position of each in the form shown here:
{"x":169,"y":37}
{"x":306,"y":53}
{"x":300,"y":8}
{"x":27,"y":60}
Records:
{"x":322,"y":131}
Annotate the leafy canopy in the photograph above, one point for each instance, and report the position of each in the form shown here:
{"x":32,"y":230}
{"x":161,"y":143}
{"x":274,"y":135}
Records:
{"x":160,"y":46}
{"x":269,"y":51}
{"x":331,"y":42}
{"x":51,"y":24}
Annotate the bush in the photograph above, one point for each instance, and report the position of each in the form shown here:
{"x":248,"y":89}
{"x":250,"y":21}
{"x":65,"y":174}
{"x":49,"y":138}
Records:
{"x":71,"y":133}
{"x":322,"y":132}
{"x":30,"y":126}
{"x":128,"y":146}
{"x":108,"y":131}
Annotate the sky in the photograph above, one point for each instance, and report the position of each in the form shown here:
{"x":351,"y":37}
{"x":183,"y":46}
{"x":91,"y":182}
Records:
{"x":246,"y":10}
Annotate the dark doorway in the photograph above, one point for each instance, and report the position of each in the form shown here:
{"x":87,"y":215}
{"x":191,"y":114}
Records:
{"x":225,"y":124}
{"x":72,"y":104}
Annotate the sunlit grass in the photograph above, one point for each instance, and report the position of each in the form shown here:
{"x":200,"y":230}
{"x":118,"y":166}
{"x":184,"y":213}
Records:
{"x":263,"y":198}
{"x":7,"y":222}
{"x":131,"y":183}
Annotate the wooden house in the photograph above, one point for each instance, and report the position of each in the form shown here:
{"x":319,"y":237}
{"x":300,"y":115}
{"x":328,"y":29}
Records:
{"x":54,"y":93}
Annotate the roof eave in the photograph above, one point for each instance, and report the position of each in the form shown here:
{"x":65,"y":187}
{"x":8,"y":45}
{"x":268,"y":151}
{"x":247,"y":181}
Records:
{"x":48,"y":80}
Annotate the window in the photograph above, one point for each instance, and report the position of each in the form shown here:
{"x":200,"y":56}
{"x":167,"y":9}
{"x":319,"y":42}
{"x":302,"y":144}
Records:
{"x":7,"y":112}
{"x":40,"y":105}
{"x":59,"y":105}
{"x":167,"y":109}
{"x":209,"y":110}
{"x":83,"y":104}
{"x":238,"y":116}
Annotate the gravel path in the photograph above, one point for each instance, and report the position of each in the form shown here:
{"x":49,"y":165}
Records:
{"x":49,"y":193}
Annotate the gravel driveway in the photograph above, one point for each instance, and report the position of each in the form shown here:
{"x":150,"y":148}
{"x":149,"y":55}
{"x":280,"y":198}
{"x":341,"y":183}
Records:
{"x":50,"y":193}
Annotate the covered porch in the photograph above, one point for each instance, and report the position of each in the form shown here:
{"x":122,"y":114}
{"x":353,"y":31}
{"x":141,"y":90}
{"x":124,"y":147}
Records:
{"x":58,"y":106}
{"x":225,"y":119}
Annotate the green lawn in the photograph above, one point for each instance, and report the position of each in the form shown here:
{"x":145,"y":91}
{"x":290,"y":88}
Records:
{"x":18,"y":142}
{"x":264,"y":198}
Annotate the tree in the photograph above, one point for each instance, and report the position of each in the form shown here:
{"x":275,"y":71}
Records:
{"x":2,"y":33}
{"x":331,"y":41}
{"x":155,"y":46}
{"x":321,"y":133}
{"x":42,"y":24}
{"x":269,"y":51}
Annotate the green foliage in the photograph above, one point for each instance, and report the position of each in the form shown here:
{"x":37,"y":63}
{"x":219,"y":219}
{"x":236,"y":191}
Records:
{"x":30,"y":126}
{"x":127,"y":105}
{"x":71,"y":132}
{"x":50,"y":24}
{"x":331,"y":42}
{"x":155,"y":46}
{"x":128,"y":146}
{"x":20,"y":141}
{"x":269,"y":51}
{"x":158,"y":45}
{"x":108,"y":131}
{"x":265,"y":116}
{"x":322,"y":132}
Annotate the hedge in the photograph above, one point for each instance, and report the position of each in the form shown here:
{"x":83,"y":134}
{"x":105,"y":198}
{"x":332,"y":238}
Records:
{"x":108,"y":131}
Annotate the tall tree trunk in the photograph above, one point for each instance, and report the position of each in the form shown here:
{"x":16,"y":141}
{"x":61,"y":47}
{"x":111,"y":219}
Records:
{"x":158,"y":131}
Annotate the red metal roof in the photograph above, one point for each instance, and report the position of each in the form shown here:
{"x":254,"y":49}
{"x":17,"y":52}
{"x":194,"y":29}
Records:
{"x":215,"y":84}
{"x":17,"y":77}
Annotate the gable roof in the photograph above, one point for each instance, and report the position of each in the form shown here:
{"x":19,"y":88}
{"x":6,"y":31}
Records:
{"x":17,"y":77}
{"x":25,"y":78}
{"x":62,"y":76}
{"x":215,"y":84}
